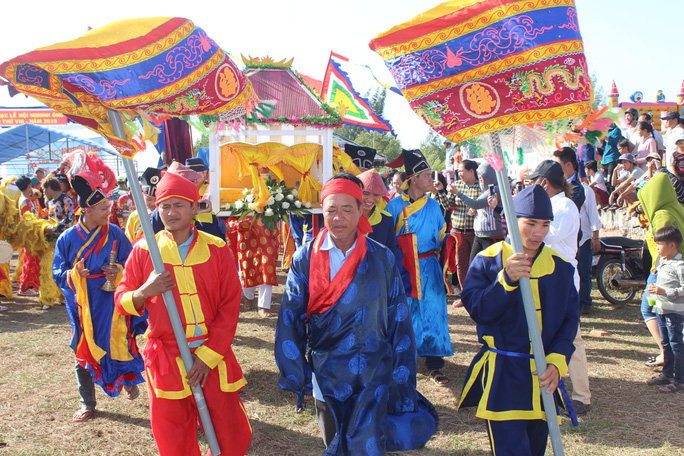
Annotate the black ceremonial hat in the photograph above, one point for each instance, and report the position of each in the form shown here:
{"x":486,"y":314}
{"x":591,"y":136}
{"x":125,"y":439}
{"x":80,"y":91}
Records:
{"x":413,"y":160}
{"x":149,"y":180}
{"x":361,"y":156}
{"x":87,"y":187}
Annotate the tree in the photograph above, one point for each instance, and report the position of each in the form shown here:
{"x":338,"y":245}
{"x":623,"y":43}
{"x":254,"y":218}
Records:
{"x":600,"y":99}
{"x":202,"y":142}
{"x":384,"y":144}
{"x":433,"y":149}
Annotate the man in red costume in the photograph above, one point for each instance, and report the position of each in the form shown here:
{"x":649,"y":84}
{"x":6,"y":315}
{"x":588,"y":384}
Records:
{"x":200,"y":272}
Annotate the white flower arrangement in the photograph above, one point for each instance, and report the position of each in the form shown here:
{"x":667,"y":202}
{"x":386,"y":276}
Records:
{"x":283,"y":200}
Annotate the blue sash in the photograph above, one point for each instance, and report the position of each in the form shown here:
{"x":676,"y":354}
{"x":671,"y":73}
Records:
{"x":561,"y":385}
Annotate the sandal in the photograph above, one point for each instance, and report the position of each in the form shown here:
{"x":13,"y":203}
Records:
{"x":131,"y":392}
{"x":83,"y":414}
{"x":673,"y":387}
{"x":457,"y":304}
{"x":659,"y":381}
{"x":439,"y":378}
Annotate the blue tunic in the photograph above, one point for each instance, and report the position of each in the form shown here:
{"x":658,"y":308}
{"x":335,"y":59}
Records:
{"x":510,"y":390}
{"x":71,"y":247}
{"x":383,"y":229}
{"x":362,"y":351}
{"x":429,"y":315}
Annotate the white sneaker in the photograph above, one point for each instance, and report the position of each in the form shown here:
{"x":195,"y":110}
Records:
{"x":46,"y":307}
{"x":29,"y":292}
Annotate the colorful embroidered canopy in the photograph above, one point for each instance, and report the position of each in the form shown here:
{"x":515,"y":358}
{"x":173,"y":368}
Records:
{"x":468,"y":67}
{"x":162,"y":66}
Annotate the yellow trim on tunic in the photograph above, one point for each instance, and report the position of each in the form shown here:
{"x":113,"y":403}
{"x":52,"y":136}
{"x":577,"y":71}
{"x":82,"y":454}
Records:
{"x":128,"y":306}
{"x":209,"y":356}
{"x":410,"y":210}
{"x":543,"y":265}
{"x":81,"y":293}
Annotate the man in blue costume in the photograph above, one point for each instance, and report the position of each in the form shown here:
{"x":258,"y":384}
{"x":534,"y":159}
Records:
{"x":345,"y":298}
{"x":103,"y":340}
{"x":415,"y":213}
{"x":502,"y":381}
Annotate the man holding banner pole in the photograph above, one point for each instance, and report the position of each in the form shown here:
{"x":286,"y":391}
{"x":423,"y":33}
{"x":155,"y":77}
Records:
{"x":493,"y":297}
{"x":200,"y":272}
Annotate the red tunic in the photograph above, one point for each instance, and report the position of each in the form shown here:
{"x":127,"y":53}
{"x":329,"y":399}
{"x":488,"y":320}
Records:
{"x":207,"y":296}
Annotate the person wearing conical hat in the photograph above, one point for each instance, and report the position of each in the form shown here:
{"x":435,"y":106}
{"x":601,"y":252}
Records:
{"x":102,"y":340}
{"x":201,"y":274}
{"x":415,"y":213}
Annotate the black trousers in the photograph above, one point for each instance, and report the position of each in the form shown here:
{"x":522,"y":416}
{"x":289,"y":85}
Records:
{"x":481,"y":243}
{"x":326,"y":422}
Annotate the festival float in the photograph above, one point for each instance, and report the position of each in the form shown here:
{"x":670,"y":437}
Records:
{"x":289,"y":138}
{"x":655,"y":108}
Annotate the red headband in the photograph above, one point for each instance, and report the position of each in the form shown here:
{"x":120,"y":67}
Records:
{"x":341,"y":185}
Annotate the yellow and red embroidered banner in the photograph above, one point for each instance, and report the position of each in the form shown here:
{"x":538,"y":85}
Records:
{"x":163,"y":66}
{"x":469,"y":67}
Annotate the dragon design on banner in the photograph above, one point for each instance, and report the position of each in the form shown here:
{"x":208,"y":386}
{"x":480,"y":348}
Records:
{"x":472,"y":67}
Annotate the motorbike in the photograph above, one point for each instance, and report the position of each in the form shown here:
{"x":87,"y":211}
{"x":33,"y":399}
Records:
{"x":621,"y":268}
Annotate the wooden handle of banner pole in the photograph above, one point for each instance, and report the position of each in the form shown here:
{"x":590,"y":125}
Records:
{"x":169,"y":301}
{"x":528,"y":299}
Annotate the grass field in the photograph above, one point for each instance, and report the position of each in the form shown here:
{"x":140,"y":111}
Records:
{"x":38,"y":393}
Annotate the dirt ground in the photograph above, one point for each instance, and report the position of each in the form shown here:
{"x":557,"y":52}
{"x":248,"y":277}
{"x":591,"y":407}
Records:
{"x":38,"y":393}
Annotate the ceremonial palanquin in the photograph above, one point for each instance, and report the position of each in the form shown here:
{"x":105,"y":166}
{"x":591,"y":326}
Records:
{"x":468,"y":67}
{"x":139,"y":67}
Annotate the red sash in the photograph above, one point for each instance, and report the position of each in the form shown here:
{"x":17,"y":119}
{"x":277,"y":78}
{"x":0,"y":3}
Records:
{"x":323,"y":294}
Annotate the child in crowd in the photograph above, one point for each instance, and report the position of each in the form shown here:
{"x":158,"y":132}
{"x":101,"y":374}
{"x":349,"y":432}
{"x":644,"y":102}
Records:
{"x":669,"y":306}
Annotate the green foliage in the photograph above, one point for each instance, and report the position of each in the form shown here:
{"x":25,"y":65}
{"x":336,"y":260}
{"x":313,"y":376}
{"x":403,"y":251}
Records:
{"x":600,"y":99}
{"x":203,"y":142}
{"x":385,"y":144}
{"x":433,"y":149}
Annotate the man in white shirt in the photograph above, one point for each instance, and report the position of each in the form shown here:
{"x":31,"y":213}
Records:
{"x":589,"y":227}
{"x":563,"y":238}
{"x":450,"y":156}
{"x":629,"y":131}
{"x":673,"y":131}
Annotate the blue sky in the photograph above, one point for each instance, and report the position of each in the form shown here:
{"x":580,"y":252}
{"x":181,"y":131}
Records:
{"x":634,"y":43}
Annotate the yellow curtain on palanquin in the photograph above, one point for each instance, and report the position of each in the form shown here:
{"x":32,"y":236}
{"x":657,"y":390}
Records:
{"x":301,"y":157}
